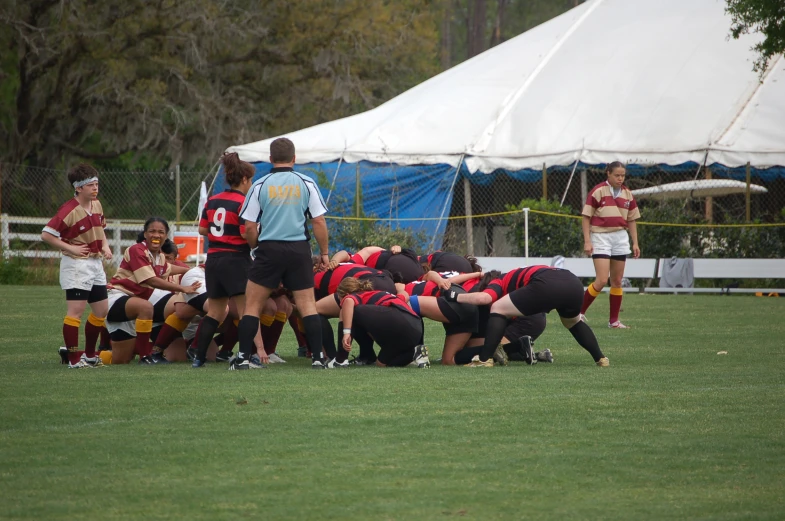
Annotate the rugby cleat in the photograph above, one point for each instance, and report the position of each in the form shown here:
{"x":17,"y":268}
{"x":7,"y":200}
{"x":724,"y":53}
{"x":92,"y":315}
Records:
{"x":190,"y":354}
{"x":335,"y":364}
{"x":198,"y":363}
{"x":421,"y":360}
{"x":527,"y":351}
{"x":81,"y":364}
{"x":302,"y":352}
{"x":146,"y":360}
{"x":223,"y":356}
{"x":239,"y":365}
{"x":617,"y":325}
{"x":317,"y":364}
{"x":93,"y":362}
{"x":63,"y":352}
{"x":361,"y":361}
{"x":500,"y":356}
{"x":476,"y":362}
{"x":603,"y":362}
{"x":256,"y":363}
{"x":159,"y":358}
{"x":544,"y":356}
{"x":275,"y":359}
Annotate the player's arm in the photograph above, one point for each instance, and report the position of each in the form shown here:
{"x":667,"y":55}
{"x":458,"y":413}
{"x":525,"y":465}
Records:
{"x":366,"y":252}
{"x":251,"y":233}
{"x":633,"y":228}
{"x":158,"y":283}
{"x":586,"y":227}
{"x":347,"y":315}
{"x":179,"y":270}
{"x":319,"y":225}
{"x":105,"y":248}
{"x":478,"y":299}
{"x":463,"y":277}
{"x":204,"y":231}
{"x":339,"y":257}
{"x":59,"y":244}
{"x":204,"y":223}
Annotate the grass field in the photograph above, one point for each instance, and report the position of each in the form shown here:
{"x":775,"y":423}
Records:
{"x":671,"y":430}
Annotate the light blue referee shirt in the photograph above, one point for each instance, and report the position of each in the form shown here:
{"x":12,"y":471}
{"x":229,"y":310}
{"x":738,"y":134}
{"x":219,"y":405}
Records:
{"x":282,"y":202}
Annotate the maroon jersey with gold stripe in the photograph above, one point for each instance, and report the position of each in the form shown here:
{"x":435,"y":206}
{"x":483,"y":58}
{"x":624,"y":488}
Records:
{"x":610,"y":213}
{"x":379,"y":298}
{"x":75,"y":225}
{"x":512,"y":280}
{"x":326,"y":283}
{"x":139,"y":265}
{"x":221,"y":216}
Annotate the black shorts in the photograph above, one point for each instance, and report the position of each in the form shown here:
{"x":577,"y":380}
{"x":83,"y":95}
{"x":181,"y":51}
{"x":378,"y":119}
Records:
{"x":283,"y":261}
{"x":407,"y":267}
{"x":463,"y":318}
{"x":394,"y":330}
{"x":96,"y":294}
{"x":226,"y":275}
{"x":380,"y":281}
{"x":120,"y":335}
{"x":532,"y":326}
{"x":117,"y":311}
{"x":484,"y":313}
{"x":198,"y":303}
{"x":548,"y":290}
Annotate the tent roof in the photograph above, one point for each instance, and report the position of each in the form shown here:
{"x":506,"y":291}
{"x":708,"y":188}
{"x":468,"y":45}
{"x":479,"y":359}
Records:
{"x":650,"y":81}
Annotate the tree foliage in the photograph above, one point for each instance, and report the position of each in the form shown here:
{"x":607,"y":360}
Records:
{"x":183,"y":78}
{"x":760,"y":16}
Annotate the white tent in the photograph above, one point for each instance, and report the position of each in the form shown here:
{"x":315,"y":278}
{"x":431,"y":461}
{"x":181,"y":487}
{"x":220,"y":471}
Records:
{"x":638,"y":81}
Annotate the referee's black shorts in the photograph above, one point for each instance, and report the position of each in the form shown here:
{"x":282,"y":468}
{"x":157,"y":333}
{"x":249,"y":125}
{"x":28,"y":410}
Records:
{"x":226,"y":275}
{"x":548,"y":290}
{"x":287,"y":261}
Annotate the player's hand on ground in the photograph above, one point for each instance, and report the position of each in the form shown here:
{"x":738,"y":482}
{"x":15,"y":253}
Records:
{"x":636,"y":252}
{"x":263,"y":356}
{"x":588,"y":248}
{"x":395,"y":249}
{"x":347,"y":342}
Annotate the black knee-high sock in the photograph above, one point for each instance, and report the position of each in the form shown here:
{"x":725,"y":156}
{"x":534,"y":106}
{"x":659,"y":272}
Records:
{"x":465,"y":355}
{"x":402,"y":359}
{"x":513,"y":350}
{"x":494,"y":332}
{"x":313,"y":336}
{"x":583,"y":334}
{"x":328,"y":342}
{"x":206,"y":333}
{"x":246,"y":332}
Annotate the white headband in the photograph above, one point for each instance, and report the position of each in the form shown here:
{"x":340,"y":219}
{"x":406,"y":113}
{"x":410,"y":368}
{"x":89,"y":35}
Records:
{"x":83,"y":182}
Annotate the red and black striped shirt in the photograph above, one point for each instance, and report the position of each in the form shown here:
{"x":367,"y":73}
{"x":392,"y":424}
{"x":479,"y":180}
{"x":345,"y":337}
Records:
{"x":379,"y":298}
{"x":326,"y":283}
{"x":370,"y":262}
{"x":512,"y":280}
{"x":221,"y":217}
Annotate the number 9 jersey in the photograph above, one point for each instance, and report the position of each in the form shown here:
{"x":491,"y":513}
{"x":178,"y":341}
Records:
{"x":221,"y":217}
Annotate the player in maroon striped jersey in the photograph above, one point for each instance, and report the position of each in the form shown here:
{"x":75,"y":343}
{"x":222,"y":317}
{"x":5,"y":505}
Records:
{"x":228,"y":254}
{"x":77,"y":230}
{"x":525,"y":292}
{"x":378,"y":316}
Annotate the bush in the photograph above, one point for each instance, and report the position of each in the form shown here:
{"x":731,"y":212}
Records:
{"x":548,"y":235}
{"x":668,"y":241}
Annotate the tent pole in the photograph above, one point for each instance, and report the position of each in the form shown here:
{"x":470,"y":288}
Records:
{"x":544,"y":182}
{"x":526,"y":236}
{"x":747,"y":193}
{"x":335,"y":176}
{"x":709,"y":200}
{"x":444,"y":208}
{"x":467,"y":210}
{"x":569,"y":181}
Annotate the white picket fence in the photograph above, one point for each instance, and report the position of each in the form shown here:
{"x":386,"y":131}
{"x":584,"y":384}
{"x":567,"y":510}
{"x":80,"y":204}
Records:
{"x":114,"y":233}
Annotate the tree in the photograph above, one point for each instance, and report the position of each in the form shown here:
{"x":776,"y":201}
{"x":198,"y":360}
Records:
{"x":762,"y":16}
{"x":185,"y":79}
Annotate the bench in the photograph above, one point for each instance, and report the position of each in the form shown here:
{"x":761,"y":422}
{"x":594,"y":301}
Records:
{"x":729,"y":269}
{"x":581,"y":267}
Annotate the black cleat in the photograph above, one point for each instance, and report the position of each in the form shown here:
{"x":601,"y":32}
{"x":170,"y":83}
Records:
{"x":63,"y":352}
{"x":223,"y":356}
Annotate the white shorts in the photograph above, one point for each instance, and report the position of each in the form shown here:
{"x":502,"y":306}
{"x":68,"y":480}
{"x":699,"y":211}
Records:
{"x":81,"y":273}
{"x":611,"y":243}
{"x":193,"y":275}
{"x":129,"y":326}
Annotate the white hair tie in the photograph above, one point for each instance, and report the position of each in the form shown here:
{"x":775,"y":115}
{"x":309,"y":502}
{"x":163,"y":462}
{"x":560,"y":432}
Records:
{"x":83,"y":182}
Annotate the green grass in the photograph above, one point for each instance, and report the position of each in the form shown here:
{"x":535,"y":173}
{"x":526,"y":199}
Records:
{"x":671,"y":430}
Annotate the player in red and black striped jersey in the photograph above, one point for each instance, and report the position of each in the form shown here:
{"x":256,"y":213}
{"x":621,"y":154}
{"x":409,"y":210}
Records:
{"x":378,"y":316}
{"x":228,"y":253}
{"x":529,"y":291}
{"x":328,"y":305}
{"x":402,"y":262}
{"x":460,"y":321}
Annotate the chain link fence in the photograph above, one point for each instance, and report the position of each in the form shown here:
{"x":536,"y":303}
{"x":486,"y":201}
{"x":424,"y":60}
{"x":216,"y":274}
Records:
{"x":436,"y":206}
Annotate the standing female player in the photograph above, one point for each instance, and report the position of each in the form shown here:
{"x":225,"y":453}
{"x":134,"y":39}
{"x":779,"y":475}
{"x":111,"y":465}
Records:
{"x":77,"y":230}
{"x":609,"y":212}
{"x":228,"y":256}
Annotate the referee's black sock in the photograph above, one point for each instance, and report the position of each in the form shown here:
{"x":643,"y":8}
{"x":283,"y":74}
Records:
{"x":494,"y":332}
{"x":246,"y":332}
{"x":313,"y":336}
{"x":585,"y":337}
{"x":465,"y":355}
{"x":206,"y":333}
{"x":327,"y":336}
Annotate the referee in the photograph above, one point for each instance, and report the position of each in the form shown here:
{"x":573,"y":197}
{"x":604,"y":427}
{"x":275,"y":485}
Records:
{"x":276,"y":211}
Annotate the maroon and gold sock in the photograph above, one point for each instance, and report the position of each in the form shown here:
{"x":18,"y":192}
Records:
{"x":92,"y":330}
{"x":173,"y":328}
{"x":299,"y":330}
{"x":265,"y":324}
{"x":106,"y":339}
{"x":588,"y":297}
{"x":143,"y":346}
{"x":71,"y":338}
{"x":274,"y":332}
{"x":229,"y":336}
{"x":616,"y":296}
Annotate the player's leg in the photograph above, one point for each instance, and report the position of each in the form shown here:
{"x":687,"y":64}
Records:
{"x":565,"y":290}
{"x":96,"y":320}
{"x":76,"y":302}
{"x":617,"y":274}
{"x":602,"y":270}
